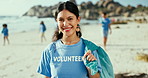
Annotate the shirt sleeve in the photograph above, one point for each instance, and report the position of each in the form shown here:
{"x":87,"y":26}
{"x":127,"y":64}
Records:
{"x":98,"y":60}
{"x":44,"y":66}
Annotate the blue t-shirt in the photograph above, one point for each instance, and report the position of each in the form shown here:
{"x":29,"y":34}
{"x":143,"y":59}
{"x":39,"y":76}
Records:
{"x":42,"y":27}
{"x":5,"y":31}
{"x":64,"y":62}
{"x":105,"y":22}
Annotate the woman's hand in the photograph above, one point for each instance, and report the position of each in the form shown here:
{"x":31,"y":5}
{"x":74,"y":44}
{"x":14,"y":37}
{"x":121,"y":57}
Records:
{"x":89,"y":56}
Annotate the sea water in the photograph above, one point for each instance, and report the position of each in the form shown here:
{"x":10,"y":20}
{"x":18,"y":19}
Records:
{"x":26,"y":23}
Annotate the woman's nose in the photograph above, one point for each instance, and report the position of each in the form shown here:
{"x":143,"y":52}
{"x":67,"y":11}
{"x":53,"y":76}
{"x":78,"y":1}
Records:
{"x":66,"y":23}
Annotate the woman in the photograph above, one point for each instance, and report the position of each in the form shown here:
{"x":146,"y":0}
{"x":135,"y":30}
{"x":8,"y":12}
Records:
{"x":69,"y":55}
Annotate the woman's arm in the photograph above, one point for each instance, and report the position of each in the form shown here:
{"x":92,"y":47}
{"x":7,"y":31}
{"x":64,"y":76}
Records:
{"x":97,"y":75}
{"x":109,"y":26}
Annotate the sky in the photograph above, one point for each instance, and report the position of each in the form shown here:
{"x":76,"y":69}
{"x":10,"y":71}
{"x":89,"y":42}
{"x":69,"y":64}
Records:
{"x":19,"y":7}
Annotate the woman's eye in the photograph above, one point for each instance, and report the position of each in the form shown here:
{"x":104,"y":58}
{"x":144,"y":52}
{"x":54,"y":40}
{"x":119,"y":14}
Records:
{"x":69,"y":19}
{"x":61,"y":20}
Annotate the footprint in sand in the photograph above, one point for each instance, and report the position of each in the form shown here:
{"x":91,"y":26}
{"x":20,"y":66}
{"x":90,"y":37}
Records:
{"x":3,"y":76}
{"x":28,"y":67}
{"x":8,"y":58}
{"x":32,"y":75}
{"x":21,"y":70}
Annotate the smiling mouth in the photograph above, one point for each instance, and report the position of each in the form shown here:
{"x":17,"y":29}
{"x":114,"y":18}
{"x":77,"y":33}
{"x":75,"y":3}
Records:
{"x":68,"y":28}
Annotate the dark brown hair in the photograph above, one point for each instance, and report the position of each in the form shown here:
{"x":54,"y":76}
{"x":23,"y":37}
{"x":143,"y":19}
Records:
{"x":104,"y":13}
{"x":5,"y":25}
{"x":42,"y":22}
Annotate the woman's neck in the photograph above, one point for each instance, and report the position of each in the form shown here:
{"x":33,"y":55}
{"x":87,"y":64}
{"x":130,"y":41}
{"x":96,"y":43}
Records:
{"x":70,"y":40}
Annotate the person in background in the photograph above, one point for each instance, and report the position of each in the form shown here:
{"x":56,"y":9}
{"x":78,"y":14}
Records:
{"x":5,"y":33}
{"x":42,"y":30}
{"x":105,"y":22}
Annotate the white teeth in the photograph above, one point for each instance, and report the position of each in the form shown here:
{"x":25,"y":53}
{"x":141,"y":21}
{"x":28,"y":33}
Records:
{"x":69,"y":26}
{"x":67,"y":29}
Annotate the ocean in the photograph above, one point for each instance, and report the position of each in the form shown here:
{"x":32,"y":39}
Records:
{"x":26,"y":23}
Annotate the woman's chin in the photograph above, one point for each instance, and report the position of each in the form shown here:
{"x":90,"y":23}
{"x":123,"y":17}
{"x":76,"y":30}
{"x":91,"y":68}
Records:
{"x":68,"y":34}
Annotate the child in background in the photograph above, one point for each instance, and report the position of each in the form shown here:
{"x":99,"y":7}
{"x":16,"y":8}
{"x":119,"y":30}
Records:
{"x":5,"y":33}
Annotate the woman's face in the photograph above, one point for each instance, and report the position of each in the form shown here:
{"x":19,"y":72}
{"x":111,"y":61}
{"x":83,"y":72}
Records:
{"x":67,"y":22}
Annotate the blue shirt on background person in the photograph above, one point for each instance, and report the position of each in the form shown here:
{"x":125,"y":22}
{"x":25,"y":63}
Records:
{"x":105,"y":22}
{"x":42,"y":28}
{"x":5,"y":31}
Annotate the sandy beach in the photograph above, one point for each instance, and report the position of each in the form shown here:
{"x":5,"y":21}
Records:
{"x":21,"y":57}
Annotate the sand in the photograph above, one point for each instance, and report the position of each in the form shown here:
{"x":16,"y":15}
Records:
{"x":21,"y":57}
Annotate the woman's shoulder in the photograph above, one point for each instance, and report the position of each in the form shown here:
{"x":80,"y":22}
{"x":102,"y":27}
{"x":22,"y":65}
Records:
{"x":88,"y":41}
{"x":52,"y":45}
{"x":90,"y":44}
{"x":49,"y":47}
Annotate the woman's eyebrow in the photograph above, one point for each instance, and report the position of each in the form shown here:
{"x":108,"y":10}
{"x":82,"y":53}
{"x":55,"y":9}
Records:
{"x":67,"y":17}
{"x":70,"y":16}
{"x":60,"y":18}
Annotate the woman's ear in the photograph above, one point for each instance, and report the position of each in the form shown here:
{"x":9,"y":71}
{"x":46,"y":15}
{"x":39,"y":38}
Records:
{"x":79,"y":18}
